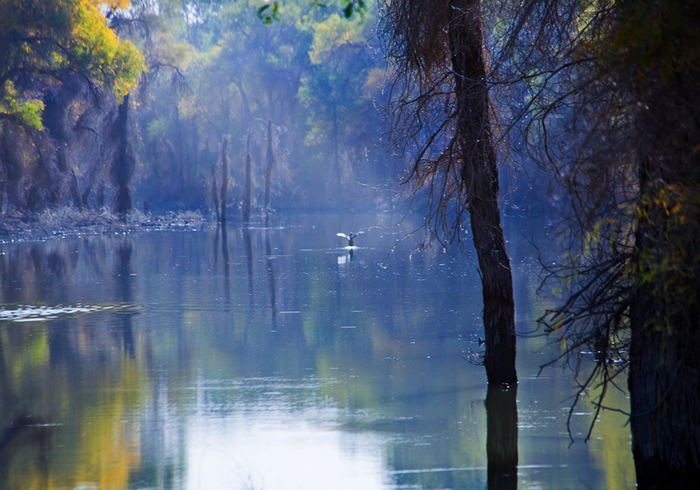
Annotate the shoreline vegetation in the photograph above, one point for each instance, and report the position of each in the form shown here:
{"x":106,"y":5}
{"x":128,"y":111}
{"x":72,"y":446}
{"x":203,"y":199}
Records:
{"x":69,"y":222}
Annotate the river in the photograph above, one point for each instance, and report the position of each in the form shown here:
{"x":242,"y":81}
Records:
{"x":275,"y":357}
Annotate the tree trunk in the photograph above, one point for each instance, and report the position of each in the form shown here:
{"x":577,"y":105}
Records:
{"x":269,"y":165}
{"x":214,"y":193}
{"x":124,"y":160}
{"x":224,"y":179}
{"x":664,"y":376}
{"x":336,"y":154}
{"x":479,"y":174}
{"x":248,"y":187}
{"x":12,"y":161}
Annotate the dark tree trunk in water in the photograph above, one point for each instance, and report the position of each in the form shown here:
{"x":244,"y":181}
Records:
{"x":224,"y":179}
{"x":269,"y":165}
{"x":502,"y":437}
{"x":480,"y":176}
{"x":664,"y":376}
{"x":214,"y":193}
{"x":248,"y":188}
{"x":336,"y":154}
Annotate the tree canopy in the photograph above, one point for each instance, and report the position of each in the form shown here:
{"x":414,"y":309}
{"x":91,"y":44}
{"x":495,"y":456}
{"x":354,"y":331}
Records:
{"x":42,"y":42}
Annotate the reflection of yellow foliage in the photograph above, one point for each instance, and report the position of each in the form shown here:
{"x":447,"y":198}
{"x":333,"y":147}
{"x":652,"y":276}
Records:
{"x":35,"y":353}
{"x":614,"y":454}
{"x":109,"y":448}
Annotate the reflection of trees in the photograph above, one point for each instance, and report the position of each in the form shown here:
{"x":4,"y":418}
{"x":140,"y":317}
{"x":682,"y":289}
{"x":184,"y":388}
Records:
{"x":23,"y":438}
{"x":53,"y":368}
{"x":427,"y":412}
{"x":123,"y":279}
{"x":502,"y":437}
{"x":271,"y":277}
{"x":224,"y":253}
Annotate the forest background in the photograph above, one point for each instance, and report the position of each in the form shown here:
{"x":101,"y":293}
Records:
{"x":195,"y":72}
{"x":107,"y":103}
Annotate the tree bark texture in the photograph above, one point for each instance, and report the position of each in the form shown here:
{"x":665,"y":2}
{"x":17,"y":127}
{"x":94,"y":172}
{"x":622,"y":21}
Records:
{"x":479,"y":175}
{"x":664,"y":376}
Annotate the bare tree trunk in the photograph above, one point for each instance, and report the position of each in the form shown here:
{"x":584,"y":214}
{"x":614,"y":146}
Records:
{"x":269,"y":165}
{"x":214,"y":193}
{"x":248,"y":187}
{"x":13,"y":167}
{"x":336,"y":154}
{"x":74,"y":190}
{"x":224,"y":179}
{"x":480,"y":176}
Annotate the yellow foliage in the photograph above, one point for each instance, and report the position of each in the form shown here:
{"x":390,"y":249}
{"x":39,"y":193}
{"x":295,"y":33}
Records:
{"x":113,"y":4}
{"x":331,"y":33}
{"x":98,"y":50}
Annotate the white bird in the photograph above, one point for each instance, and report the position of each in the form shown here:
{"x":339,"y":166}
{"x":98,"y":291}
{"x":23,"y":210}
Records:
{"x":350,"y":237}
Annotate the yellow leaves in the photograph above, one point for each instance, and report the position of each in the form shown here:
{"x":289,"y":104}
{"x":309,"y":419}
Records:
{"x":115,"y":64}
{"x":27,"y":112}
{"x":332,"y":33}
{"x":128,"y":64}
{"x":112,"y":4}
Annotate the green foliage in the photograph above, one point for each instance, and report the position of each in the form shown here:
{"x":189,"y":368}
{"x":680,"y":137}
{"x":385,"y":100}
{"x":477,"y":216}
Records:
{"x":26,"y":113}
{"x":351,"y":7}
{"x":269,"y":13}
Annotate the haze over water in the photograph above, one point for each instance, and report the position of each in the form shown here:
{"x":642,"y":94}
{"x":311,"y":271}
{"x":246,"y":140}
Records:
{"x":274,"y":357}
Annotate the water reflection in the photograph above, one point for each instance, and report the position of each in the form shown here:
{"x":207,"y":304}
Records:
{"x":123,"y":276}
{"x":502,"y":437}
{"x":255,"y":358}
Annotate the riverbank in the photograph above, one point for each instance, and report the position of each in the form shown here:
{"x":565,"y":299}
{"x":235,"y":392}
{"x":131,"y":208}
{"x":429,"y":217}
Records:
{"x":71,"y":222}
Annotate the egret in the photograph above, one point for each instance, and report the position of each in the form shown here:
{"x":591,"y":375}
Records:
{"x":351,"y":237}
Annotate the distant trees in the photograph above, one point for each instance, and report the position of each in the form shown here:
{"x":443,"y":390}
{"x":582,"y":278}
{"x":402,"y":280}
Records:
{"x":213,"y":69}
{"x":217,"y":69}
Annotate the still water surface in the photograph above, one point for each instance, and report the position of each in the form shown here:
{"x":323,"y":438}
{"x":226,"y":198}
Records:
{"x":274,"y":358}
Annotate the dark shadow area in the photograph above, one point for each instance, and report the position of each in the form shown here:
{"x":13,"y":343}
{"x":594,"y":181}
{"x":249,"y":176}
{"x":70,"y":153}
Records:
{"x":502,"y":437}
